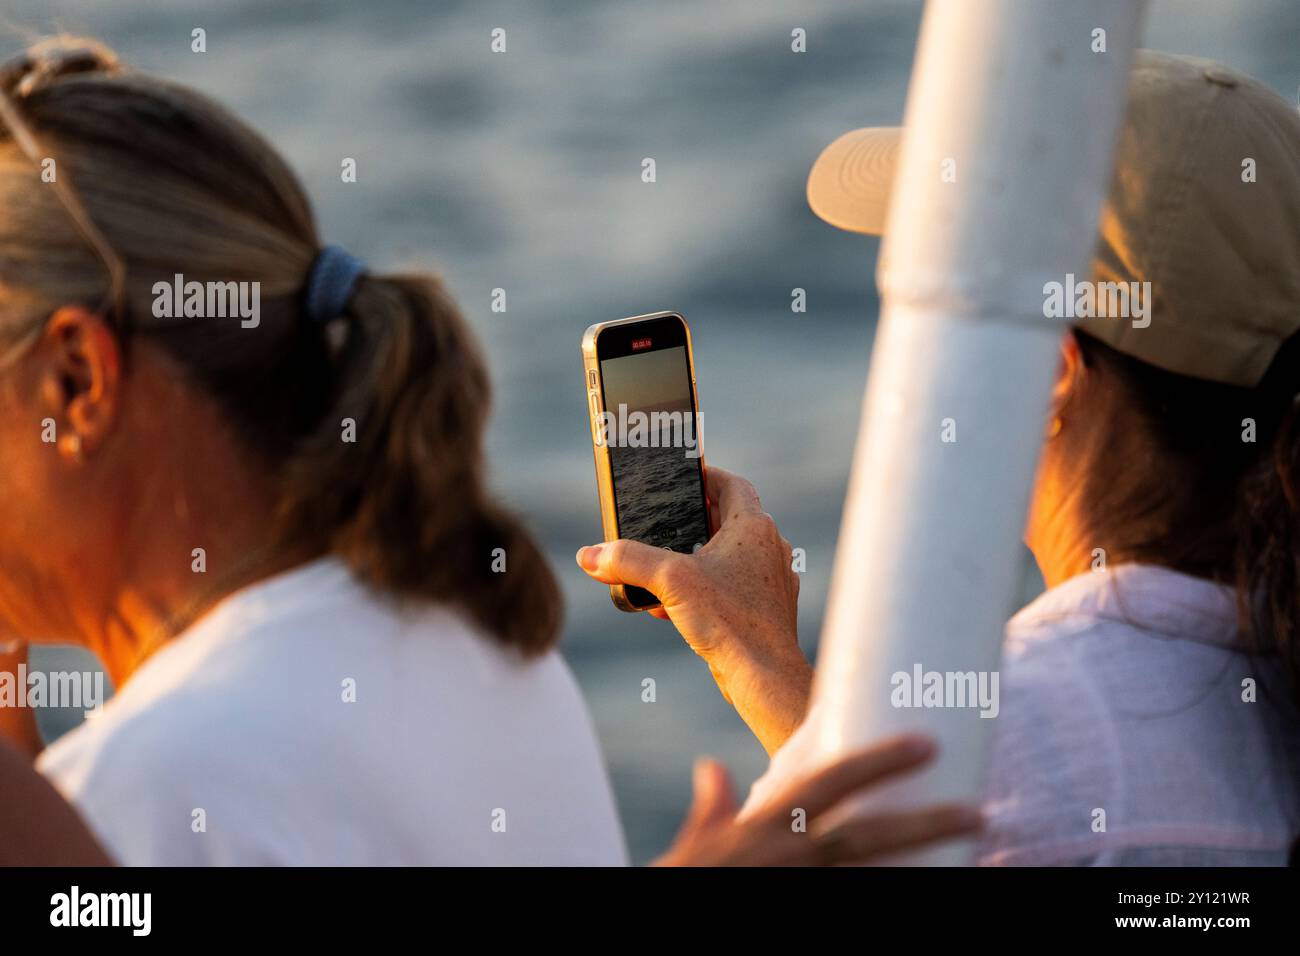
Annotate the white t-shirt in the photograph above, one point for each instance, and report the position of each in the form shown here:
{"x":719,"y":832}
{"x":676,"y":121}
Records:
{"x":1133,"y":729}
{"x":307,"y":721}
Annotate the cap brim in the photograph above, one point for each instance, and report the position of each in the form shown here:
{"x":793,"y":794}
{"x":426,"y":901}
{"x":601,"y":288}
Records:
{"x":850,"y":182}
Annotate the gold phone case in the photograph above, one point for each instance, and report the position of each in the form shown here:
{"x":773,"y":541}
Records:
{"x":596,"y":405}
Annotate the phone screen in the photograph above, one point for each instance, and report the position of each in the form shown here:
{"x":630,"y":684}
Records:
{"x":651,"y":428}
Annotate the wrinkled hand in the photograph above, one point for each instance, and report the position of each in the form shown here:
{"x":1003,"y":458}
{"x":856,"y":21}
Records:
{"x":712,"y":836}
{"x":735,"y":601}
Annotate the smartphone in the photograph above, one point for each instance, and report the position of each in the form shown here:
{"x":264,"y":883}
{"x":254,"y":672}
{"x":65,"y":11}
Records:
{"x":639,"y":376}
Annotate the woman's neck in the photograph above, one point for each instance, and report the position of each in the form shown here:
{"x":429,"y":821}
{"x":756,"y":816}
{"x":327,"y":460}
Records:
{"x":1062,"y":545}
{"x":149,"y":612}
{"x":199,"y":531}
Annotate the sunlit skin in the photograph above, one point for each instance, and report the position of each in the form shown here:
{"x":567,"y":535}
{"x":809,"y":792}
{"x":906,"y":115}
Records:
{"x":735,"y":601}
{"x":98,"y":529}
{"x":1054,"y":531}
{"x":40,"y":829}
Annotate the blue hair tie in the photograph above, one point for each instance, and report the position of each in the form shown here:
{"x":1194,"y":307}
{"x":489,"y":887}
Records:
{"x":330,"y":284}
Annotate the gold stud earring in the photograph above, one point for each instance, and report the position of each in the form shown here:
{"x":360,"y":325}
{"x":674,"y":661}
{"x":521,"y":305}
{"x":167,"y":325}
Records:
{"x":71,"y":445}
{"x":1054,"y":428}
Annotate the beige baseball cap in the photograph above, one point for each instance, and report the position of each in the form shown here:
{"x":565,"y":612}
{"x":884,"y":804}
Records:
{"x":1204,"y":205}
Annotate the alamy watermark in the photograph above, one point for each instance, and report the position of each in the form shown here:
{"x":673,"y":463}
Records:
{"x":83,"y":690}
{"x":1102,"y":300}
{"x":179,"y":299}
{"x":133,"y":911}
{"x":922,"y":688}
{"x":655,"y":429}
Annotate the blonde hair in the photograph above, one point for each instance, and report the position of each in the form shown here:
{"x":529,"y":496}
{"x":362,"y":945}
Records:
{"x":151,"y":180}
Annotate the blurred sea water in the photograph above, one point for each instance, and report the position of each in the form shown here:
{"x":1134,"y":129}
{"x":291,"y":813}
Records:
{"x":522,"y":171}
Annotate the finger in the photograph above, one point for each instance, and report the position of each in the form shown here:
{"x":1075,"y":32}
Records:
{"x":857,"y":841}
{"x":715,"y":797}
{"x":824,"y":789}
{"x":733,"y":494}
{"x":628,"y":562}
{"x":660,"y":613}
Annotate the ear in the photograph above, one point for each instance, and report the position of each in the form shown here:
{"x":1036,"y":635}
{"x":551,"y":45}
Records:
{"x":80,"y":378}
{"x":1070,"y":371}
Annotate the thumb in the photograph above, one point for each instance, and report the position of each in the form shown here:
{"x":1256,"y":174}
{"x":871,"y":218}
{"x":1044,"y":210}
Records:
{"x":628,"y":562}
{"x":715,"y":797}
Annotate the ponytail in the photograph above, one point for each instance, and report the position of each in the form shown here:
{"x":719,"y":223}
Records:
{"x":391,"y":478}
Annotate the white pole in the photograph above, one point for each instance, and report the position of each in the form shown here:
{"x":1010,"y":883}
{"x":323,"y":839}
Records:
{"x":927,"y":570}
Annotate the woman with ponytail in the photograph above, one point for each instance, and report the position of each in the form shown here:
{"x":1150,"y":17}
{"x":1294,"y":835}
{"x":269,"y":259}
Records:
{"x":269,"y":522}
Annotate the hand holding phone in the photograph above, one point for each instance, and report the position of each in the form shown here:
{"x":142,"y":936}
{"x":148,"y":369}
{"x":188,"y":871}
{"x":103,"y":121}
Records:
{"x":644,"y":418}
{"x":735,"y":603}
